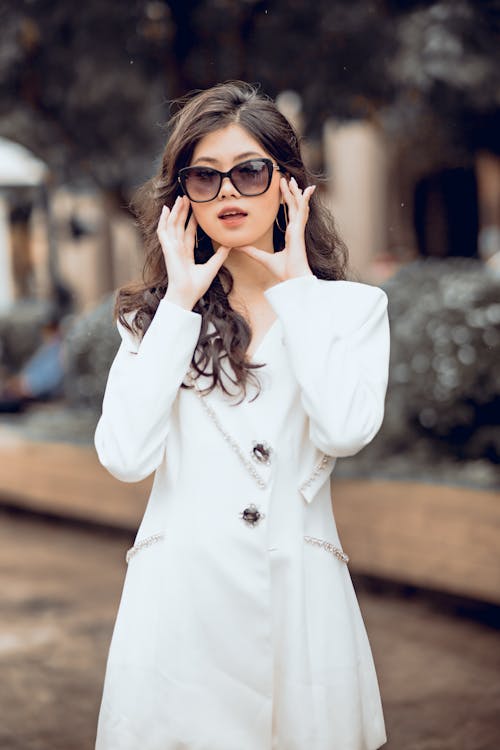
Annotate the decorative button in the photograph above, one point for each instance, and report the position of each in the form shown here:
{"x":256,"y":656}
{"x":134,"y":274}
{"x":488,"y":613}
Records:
{"x":251,"y":515}
{"x":261,"y":452}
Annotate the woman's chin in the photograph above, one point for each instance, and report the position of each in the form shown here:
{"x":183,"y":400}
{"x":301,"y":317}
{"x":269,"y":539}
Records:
{"x":235,"y":239}
{"x":241,"y":236}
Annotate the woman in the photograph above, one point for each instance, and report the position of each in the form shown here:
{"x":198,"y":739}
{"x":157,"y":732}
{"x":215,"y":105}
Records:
{"x":247,"y":366}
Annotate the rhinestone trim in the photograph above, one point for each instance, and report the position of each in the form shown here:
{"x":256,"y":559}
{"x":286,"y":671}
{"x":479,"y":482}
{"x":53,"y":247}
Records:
{"x":228,"y":438}
{"x":329,"y":547}
{"x":320,"y":466}
{"x":147,"y":542}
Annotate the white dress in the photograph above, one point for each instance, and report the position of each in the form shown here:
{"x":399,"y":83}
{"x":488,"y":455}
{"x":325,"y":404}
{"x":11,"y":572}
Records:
{"x":238,"y":626}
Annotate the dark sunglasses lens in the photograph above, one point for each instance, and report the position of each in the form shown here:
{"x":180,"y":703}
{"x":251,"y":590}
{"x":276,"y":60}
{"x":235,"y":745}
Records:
{"x":201,"y":184}
{"x":251,"y":178}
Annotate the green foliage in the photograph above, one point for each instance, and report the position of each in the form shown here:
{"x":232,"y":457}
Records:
{"x":90,"y":345}
{"x":445,"y":348}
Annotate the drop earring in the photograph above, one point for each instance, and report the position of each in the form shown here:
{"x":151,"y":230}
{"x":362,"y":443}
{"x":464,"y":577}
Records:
{"x":286,"y":219}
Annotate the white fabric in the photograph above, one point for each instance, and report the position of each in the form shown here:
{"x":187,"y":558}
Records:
{"x":228,"y":636}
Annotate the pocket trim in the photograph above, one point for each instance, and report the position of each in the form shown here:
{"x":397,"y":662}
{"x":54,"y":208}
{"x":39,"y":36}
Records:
{"x":329,"y":547}
{"x":146,"y":542}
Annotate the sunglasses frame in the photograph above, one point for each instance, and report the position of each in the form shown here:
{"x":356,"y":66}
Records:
{"x":271,"y":166}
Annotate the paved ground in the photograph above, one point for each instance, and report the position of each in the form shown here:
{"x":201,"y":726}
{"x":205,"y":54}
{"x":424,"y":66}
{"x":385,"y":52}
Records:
{"x":60,"y":586}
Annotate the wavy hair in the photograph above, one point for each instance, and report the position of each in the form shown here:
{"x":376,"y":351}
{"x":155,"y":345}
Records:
{"x":200,"y":113}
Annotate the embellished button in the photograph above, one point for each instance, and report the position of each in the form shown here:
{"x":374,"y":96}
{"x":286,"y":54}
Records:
{"x":261,"y":452}
{"x":251,"y":515}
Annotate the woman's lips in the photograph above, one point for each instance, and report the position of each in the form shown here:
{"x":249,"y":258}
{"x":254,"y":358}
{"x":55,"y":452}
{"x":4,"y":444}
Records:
{"x":233,"y":219}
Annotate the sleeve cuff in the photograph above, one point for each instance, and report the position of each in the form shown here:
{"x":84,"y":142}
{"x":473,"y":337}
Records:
{"x":177,"y":312}
{"x":168,"y":318}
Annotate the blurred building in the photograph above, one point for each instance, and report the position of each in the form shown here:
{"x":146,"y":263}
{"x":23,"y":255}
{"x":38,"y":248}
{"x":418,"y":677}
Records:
{"x":52,"y":235}
{"x":22,"y":187}
{"x":392,"y":206}
{"x":99,"y":247}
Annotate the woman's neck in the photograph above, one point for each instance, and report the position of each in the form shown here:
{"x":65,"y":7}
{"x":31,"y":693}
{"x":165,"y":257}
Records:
{"x":250,"y":278}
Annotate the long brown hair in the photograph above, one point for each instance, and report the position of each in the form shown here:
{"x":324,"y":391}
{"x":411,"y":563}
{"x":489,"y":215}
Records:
{"x":201,"y":113}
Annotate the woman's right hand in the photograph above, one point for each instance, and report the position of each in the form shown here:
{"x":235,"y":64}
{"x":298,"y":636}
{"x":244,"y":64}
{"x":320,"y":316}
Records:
{"x":187,"y":280}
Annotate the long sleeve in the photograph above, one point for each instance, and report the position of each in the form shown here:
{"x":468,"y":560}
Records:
{"x":337,"y":335}
{"x":142,"y":384}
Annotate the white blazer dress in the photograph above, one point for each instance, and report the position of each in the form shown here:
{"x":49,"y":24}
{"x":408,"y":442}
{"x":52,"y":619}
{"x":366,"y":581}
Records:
{"x":238,"y":626}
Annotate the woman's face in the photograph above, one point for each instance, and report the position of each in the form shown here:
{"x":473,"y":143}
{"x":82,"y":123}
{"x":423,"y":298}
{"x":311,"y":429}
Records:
{"x":253,"y":224}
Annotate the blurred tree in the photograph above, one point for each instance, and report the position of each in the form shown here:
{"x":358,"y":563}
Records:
{"x":430,"y":70}
{"x":87,"y":88}
{"x":447,"y":76}
{"x":84,"y":87}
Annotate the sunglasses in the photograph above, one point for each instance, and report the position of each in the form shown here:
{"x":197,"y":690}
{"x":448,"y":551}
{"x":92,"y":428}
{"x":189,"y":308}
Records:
{"x":251,"y":177}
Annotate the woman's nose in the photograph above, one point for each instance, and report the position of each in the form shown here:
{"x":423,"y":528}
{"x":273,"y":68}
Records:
{"x":227,"y":188}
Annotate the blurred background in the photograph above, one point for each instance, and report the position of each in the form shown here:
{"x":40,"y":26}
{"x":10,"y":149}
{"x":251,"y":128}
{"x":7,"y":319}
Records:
{"x":398,"y":106}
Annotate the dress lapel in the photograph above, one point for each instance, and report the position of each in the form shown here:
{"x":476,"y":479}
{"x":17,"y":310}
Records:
{"x":245,"y":429}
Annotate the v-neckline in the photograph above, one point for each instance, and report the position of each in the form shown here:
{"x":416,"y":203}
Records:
{"x":262,"y":341}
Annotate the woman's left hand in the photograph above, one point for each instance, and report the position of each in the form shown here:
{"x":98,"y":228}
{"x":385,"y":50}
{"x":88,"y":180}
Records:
{"x":292,"y":261}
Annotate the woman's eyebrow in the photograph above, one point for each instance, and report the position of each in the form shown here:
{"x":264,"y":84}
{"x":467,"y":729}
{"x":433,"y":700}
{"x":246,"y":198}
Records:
{"x":211,"y":160}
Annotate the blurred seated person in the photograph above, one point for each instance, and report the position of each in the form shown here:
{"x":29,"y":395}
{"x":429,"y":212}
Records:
{"x":41,"y":377}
